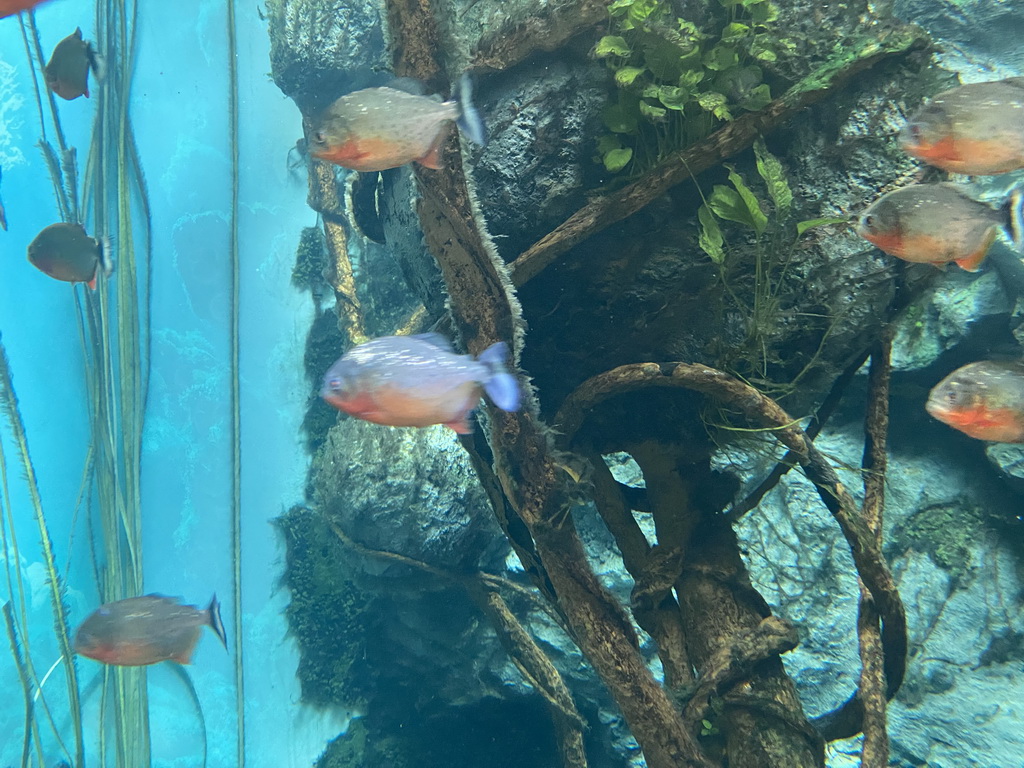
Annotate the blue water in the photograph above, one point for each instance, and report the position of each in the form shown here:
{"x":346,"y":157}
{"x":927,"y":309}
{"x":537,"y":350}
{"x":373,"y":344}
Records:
{"x":179,"y":107}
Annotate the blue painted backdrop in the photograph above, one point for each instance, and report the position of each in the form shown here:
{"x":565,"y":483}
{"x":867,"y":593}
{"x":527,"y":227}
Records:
{"x":179,"y":108}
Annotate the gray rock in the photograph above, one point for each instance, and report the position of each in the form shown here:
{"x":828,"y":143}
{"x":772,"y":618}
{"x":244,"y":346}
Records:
{"x":1008,"y":460}
{"x":322,"y":49}
{"x":407,"y":491}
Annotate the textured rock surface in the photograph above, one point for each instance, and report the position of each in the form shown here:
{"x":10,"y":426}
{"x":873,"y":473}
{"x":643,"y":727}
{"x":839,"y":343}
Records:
{"x":322,"y":49}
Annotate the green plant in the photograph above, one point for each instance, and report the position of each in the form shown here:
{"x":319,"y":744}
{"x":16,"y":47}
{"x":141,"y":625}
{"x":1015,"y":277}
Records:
{"x":674,"y":82}
{"x":775,"y":241}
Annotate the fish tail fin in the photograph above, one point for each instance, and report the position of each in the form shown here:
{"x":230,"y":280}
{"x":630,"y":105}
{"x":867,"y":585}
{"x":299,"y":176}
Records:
{"x":106,"y":256}
{"x":500,"y":385}
{"x":1013,"y":213}
{"x":469,"y":120}
{"x":97,"y":63}
{"x":215,"y":621}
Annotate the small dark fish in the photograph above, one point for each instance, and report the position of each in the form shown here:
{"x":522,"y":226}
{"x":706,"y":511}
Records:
{"x":365,"y":210}
{"x":146,"y":630}
{"x":3,"y":213}
{"x":67,"y":71}
{"x":937,"y":224}
{"x":984,"y":400}
{"x":416,"y":381}
{"x":378,"y":128}
{"x":976,"y":129}
{"x":11,"y":7}
{"x":65,"y":252}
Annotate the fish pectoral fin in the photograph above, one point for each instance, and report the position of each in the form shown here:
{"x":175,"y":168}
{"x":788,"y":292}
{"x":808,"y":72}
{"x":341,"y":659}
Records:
{"x":185,"y":656}
{"x":433,"y":157}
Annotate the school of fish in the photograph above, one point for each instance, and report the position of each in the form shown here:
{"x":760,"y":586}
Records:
{"x":420,"y":380}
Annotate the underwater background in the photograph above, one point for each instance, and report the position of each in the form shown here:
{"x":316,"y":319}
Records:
{"x":368,"y":636}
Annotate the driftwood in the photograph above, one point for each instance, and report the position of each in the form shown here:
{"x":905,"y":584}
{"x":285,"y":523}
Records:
{"x":872,"y":692}
{"x":549,"y":30}
{"x":535,"y":485}
{"x":323,"y":198}
{"x":730,"y":140}
{"x":757,"y":408}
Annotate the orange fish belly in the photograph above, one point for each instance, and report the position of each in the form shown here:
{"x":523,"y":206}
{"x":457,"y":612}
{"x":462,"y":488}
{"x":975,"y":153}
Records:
{"x":1001,"y":425}
{"x":964,"y":154}
{"x":366,"y":154}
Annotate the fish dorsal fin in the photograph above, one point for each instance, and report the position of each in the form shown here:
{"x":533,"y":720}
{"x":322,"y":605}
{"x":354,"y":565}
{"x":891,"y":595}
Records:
{"x":168,"y":598}
{"x":408,"y":85}
{"x":435,"y":340}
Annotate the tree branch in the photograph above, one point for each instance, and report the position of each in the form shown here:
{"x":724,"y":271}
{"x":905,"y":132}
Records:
{"x":733,"y":138}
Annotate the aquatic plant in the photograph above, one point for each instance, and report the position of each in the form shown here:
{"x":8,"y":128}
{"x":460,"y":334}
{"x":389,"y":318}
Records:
{"x":675,"y":81}
{"x":776,"y":238}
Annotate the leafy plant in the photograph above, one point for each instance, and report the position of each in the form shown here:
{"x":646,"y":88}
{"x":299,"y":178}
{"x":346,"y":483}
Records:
{"x":674,"y":82}
{"x":775,"y":241}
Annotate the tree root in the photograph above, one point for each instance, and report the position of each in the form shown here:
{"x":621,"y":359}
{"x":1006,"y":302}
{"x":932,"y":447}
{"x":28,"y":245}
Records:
{"x":601,"y":212}
{"x":730,"y":665}
{"x":758,"y":408}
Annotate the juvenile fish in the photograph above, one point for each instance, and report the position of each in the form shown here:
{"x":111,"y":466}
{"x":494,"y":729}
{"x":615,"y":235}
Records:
{"x":3,"y":213}
{"x":416,"y":381}
{"x":67,"y":71}
{"x":937,"y":224}
{"x":975,"y":129}
{"x":65,"y":252}
{"x":378,"y":128}
{"x":11,"y":7}
{"x":146,"y":630}
{"x":984,"y":400}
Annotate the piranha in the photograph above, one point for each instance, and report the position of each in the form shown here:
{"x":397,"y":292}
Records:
{"x":938,"y":223}
{"x":11,"y":7}
{"x":146,"y":630}
{"x":3,"y":213}
{"x":67,"y":71}
{"x":378,"y":128}
{"x":984,"y":400}
{"x":976,"y":129}
{"x":65,"y":252}
{"x":416,"y":381}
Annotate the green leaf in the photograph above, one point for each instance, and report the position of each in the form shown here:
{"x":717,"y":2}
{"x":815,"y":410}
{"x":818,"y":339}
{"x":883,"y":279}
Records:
{"x":607,"y":143}
{"x":766,"y":55}
{"x":612,"y":45}
{"x":757,"y":220}
{"x":715,"y":103}
{"x":763,"y":12}
{"x":620,"y":118}
{"x":672,"y":97}
{"x":734,"y":32}
{"x":803,"y":226}
{"x":690,"y":78}
{"x":617,"y":159}
{"x":663,"y":57}
{"x":770,"y":169}
{"x":652,"y":112}
{"x":627,"y":75}
{"x":710,"y":237}
{"x":721,"y":57}
{"x":618,"y":7}
{"x":758,"y":98}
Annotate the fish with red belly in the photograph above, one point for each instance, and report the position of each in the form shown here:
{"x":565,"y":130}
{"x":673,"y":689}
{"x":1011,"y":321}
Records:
{"x":938,"y":223}
{"x":11,"y":7}
{"x":146,"y":630}
{"x":378,"y":128}
{"x":984,"y":400}
{"x":416,"y":381}
{"x":977,"y":129}
{"x":64,"y":251}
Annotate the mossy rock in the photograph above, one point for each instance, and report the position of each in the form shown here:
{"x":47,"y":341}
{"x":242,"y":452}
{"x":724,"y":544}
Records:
{"x":948,"y":533}
{"x":328,"y":614}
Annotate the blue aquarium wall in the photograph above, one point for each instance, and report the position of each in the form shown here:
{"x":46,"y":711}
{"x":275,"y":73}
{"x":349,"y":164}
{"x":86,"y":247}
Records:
{"x":180,"y":111}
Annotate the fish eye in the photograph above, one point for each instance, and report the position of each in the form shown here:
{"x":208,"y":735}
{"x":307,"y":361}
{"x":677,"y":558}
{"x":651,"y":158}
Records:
{"x":334,"y":384}
{"x":868,"y":221}
{"x":320,"y":137}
